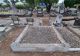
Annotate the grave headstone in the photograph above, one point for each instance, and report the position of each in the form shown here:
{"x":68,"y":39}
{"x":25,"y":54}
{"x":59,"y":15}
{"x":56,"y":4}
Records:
{"x":40,"y":12}
{"x":77,"y":21}
{"x":28,"y":13}
{"x":2,"y":29}
{"x":58,"y":21}
{"x":29,"y":20}
{"x":15,"y":19}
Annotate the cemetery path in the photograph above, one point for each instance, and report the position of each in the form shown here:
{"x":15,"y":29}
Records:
{"x":45,"y":21}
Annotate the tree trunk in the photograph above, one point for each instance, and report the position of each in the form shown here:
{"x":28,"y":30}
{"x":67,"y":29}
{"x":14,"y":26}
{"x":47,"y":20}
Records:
{"x":48,"y":7}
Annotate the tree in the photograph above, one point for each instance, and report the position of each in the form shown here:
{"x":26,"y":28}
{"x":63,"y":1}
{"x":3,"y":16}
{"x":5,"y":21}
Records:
{"x":22,"y":0}
{"x":13,"y":2}
{"x":36,"y":2}
{"x":26,"y":5}
{"x":6,"y":1}
{"x":70,"y":3}
{"x":5,"y":5}
{"x":48,"y":4}
{"x":0,"y":4}
{"x":16,"y":0}
{"x":31,"y":3}
{"x":77,"y":1}
{"x":20,"y":6}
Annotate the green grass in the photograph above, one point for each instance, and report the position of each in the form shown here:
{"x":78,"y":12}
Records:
{"x":6,"y":12}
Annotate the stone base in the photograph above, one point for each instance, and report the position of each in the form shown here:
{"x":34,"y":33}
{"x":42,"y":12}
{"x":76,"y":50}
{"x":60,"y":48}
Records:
{"x":17,"y":47}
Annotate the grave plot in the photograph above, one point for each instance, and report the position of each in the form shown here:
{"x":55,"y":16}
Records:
{"x":38,"y":39}
{"x":46,"y":22}
{"x":5,"y":22}
{"x":33,"y":21}
{"x":38,"y":22}
{"x":5,"y":28}
{"x":70,"y":37}
{"x":44,"y":35}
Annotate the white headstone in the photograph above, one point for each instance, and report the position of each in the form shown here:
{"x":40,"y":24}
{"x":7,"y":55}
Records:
{"x":58,"y":20}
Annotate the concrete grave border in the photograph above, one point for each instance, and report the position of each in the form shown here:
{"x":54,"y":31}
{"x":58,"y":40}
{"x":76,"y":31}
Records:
{"x":23,"y":47}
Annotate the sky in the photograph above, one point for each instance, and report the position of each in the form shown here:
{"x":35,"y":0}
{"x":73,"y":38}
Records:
{"x":60,"y":1}
{"x":1,"y":1}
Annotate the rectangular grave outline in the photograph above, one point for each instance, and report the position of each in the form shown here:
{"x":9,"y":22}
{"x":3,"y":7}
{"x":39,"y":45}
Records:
{"x":17,"y":47}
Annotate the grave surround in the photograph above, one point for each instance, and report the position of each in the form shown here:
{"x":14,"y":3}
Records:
{"x":37,"y":44}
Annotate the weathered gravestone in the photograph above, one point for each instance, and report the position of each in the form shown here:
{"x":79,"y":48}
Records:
{"x":15,"y":19}
{"x":58,"y":21}
{"x":77,"y":21}
{"x":39,"y":13}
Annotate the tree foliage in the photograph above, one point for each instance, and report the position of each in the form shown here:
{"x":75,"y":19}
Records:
{"x":70,"y":3}
{"x":31,"y":3}
{"x":22,"y":6}
{"x":5,"y":5}
{"x":6,"y":1}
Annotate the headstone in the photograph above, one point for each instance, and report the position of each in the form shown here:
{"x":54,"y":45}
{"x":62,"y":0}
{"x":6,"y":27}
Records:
{"x":15,"y":19}
{"x":40,"y":12}
{"x":2,"y":29}
{"x":77,"y":21}
{"x":30,"y":21}
{"x":73,"y":11}
{"x":58,"y":21}
{"x":52,"y":14}
{"x":29,"y":13}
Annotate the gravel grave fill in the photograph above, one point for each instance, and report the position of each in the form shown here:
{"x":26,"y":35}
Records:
{"x":43,"y":35}
{"x":69,"y":37}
